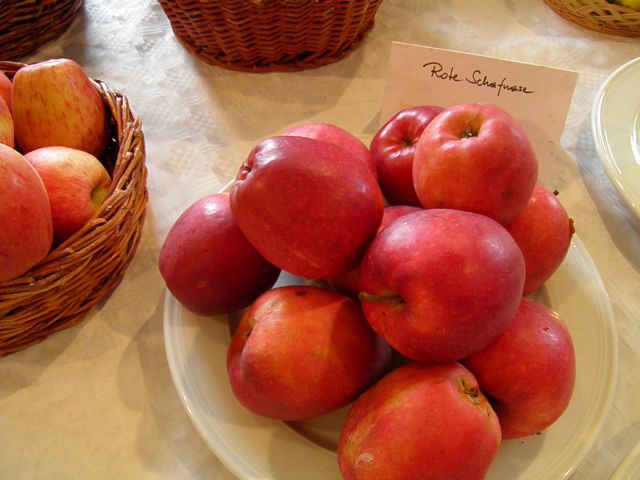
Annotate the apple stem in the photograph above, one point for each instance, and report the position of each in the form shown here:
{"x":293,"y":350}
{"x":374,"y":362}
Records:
{"x":468,"y":133}
{"x":407,"y":142}
{"x":393,"y":299}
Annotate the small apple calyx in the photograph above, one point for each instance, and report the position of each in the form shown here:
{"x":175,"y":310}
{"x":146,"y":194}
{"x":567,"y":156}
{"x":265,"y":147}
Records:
{"x":390,"y":298}
{"x":470,"y":390}
{"x":243,"y":171}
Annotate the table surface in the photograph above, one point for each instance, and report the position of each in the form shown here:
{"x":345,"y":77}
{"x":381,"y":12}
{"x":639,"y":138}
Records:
{"x":97,"y":400}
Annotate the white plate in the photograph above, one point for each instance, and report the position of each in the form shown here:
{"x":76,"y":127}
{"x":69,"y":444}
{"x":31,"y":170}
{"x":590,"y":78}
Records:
{"x":629,"y":467}
{"x":615,"y":123}
{"x":256,"y":448}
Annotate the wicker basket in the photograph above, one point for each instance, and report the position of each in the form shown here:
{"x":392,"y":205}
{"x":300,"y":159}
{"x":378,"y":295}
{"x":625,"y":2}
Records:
{"x":25,"y":25}
{"x":599,"y":15}
{"x":79,"y":273}
{"x":270,"y":35}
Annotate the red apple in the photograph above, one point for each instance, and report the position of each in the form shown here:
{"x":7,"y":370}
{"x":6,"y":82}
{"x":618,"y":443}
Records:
{"x":6,"y":125}
{"x":528,"y":371}
{"x":349,"y":283}
{"x":54,"y":103}
{"x":475,"y":157}
{"x":440,"y":284}
{"x":26,"y":230}
{"x":5,"y":88}
{"x":338,"y":136}
{"x":208,"y":264}
{"x":420,"y":422}
{"x":543,"y":231}
{"x":393,"y":148}
{"x":77,"y":184}
{"x":300,"y":352}
{"x":307,"y":206}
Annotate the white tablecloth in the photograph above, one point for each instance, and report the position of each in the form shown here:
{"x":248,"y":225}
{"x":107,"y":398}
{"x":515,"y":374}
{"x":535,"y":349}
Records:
{"x":97,"y":400}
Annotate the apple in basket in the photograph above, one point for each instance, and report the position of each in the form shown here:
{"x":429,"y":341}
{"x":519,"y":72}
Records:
{"x":300,"y":352}
{"x":6,"y":125}
{"x":207,"y":262}
{"x":420,"y":422}
{"x":475,"y":157}
{"x":26,"y":230}
{"x":77,"y":184}
{"x":440,"y":284}
{"x":393,"y":148}
{"x":308,"y":206}
{"x":5,"y":88}
{"x":543,"y":231}
{"x":331,"y":133}
{"x":54,"y":103}
{"x":528,"y":371}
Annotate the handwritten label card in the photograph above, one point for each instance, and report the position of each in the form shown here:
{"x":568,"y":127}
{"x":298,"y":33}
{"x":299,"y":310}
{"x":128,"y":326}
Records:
{"x":538,"y":97}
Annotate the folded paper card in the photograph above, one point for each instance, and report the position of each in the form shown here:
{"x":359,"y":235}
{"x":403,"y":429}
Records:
{"x":538,"y":97}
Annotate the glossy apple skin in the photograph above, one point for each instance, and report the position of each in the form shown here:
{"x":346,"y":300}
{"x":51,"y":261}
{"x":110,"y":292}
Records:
{"x":440,"y":284}
{"x":543,"y":231}
{"x":338,"y":136}
{"x":393,"y":148}
{"x":420,"y":421}
{"x":306,"y":205}
{"x":475,"y":157}
{"x":5,"y":89}
{"x":208,"y":264}
{"x":76,"y":183}
{"x":26,"y":231}
{"x":6,"y":125}
{"x":528,"y":371}
{"x":349,"y":283}
{"x":54,"y":103}
{"x":300,"y":352}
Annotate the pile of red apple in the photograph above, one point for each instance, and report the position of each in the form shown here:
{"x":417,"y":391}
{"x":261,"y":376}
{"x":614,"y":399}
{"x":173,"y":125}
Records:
{"x":53,"y":130}
{"x":421,"y":253}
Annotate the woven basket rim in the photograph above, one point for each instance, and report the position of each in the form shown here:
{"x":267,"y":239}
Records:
{"x":600,"y":16}
{"x":84,"y":270}
{"x":275,"y":35}
{"x":27,"y":26}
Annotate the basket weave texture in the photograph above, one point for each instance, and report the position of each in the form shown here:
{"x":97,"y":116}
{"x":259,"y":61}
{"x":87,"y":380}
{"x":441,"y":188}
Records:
{"x":79,"y":273}
{"x":270,"y":35}
{"x":26,"y":25}
{"x":600,"y":16}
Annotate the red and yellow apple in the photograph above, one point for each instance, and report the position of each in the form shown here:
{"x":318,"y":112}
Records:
{"x":475,"y":157}
{"x":440,"y":284}
{"x":420,"y":422}
{"x":528,"y":372}
{"x":208,"y":264}
{"x":76,"y":183}
{"x":393,"y":148}
{"x":5,"y":88}
{"x":543,"y":231}
{"x":306,"y":205}
{"x":54,"y":103}
{"x":26,"y":231}
{"x":6,"y":125}
{"x":300,"y":352}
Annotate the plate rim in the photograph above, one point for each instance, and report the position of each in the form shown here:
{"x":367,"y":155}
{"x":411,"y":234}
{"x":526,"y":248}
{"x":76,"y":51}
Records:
{"x":599,"y":136}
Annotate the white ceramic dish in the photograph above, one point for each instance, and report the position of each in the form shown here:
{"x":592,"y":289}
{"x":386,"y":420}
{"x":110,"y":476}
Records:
{"x":256,"y":448}
{"x":616,"y":130}
{"x":629,"y":467}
